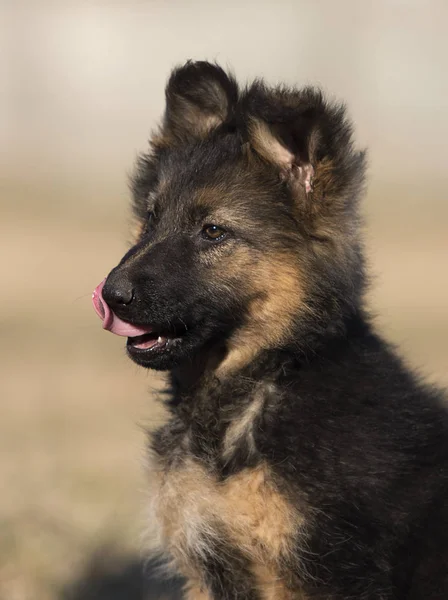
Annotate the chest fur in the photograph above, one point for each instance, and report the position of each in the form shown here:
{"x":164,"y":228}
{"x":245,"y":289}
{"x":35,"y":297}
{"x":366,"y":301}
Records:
{"x":201,"y":517}
{"x":193,"y":514}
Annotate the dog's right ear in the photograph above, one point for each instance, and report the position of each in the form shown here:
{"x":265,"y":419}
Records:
{"x":200,"y":97}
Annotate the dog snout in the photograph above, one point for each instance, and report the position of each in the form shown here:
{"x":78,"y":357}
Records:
{"x":118,"y":291}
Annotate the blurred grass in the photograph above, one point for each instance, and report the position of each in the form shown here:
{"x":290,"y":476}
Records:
{"x":71,"y":434}
{"x":74,"y":408}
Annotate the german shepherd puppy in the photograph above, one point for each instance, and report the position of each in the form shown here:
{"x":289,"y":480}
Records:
{"x":301,"y":459}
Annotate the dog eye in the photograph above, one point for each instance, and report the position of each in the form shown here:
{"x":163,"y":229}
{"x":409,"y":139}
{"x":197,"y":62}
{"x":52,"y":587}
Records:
{"x":213,"y":232}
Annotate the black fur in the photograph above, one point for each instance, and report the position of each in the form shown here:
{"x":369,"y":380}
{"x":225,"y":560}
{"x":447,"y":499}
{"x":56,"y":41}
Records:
{"x":348,"y":432}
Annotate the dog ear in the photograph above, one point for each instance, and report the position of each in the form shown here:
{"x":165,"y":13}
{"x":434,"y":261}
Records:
{"x":308,"y":140}
{"x":294,"y":166}
{"x":200,"y":97}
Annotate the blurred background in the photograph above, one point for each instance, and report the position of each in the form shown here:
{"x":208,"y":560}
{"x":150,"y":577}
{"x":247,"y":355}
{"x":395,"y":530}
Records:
{"x":81,"y":87}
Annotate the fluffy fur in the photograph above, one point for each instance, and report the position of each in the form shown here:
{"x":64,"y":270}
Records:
{"x":301,"y":460}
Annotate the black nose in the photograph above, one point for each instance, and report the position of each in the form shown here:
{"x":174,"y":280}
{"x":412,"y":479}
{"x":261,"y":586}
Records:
{"x":118,"y":290}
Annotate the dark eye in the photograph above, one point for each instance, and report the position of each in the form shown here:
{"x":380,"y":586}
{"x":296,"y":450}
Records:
{"x":213,"y":232}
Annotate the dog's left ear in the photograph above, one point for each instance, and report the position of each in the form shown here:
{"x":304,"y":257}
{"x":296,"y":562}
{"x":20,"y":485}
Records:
{"x":200,"y":97}
{"x":309,"y":141}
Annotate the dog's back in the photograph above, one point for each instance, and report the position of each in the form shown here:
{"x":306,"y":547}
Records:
{"x":302,"y":459}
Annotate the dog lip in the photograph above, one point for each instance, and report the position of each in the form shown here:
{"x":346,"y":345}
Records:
{"x":145,"y":355}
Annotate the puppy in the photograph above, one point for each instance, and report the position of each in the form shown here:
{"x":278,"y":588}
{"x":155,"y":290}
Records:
{"x":301,"y":459}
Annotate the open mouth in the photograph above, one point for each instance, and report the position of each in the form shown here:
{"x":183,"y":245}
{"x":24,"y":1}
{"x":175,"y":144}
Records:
{"x":144,"y":341}
{"x":149,"y":341}
{"x":149,"y":349}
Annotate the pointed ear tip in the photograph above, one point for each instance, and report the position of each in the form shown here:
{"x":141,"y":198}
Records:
{"x":199,"y":96}
{"x":202,"y":83}
{"x":197,"y":70}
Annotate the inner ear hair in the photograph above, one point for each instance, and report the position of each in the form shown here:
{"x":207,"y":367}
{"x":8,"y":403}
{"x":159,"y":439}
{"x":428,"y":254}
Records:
{"x":268,"y":142}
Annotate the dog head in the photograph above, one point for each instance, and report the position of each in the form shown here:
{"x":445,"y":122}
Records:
{"x":247,"y":225}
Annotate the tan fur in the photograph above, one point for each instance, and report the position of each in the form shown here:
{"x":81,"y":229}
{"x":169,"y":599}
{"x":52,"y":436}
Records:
{"x":194,"y":120}
{"x":193,"y":591}
{"x":242,"y":427}
{"x":264,"y":523}
{"x":271,"y":587}
{"x":191,"y":507}
{"x":195,"y":123}
{"x":188,"y":120}
{"x":274,"y":281}
{"x":276,"y":284}
{"x":268,"y":146}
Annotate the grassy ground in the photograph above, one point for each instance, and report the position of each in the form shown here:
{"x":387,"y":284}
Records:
{"x":74,"y":408}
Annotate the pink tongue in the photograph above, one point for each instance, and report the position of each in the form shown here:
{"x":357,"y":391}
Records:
{"x":110,"y":320}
